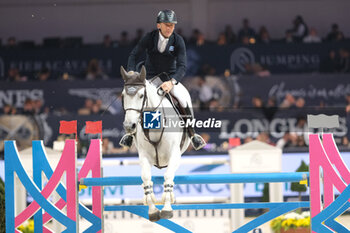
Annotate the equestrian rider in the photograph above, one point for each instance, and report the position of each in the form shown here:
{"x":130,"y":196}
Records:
{"x":165,"y":52}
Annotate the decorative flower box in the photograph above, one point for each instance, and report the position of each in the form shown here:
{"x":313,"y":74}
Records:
{"x":298,"y":230}
{"x":291,"y":223}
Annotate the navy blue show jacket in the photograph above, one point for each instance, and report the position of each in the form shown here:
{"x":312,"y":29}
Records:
{"x":172,"y":60}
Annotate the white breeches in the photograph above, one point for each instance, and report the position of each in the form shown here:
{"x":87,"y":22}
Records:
{"x":180,"y":92}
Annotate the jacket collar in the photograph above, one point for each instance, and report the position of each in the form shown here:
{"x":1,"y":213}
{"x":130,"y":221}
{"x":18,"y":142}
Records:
{"x":170,"y":42}
{"x":161,"y":37}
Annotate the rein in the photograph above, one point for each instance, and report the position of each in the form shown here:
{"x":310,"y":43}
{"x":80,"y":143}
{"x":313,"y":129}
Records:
{"x":146,"y":131}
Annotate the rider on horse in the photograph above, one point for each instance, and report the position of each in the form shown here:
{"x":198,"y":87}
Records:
{"x":166,"y":52}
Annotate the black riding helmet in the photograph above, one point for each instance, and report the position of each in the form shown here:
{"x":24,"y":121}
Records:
{"x":166,"y":16}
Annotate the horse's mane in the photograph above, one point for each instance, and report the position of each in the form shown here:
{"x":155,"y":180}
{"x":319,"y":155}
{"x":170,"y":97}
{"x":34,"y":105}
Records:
{"x":148,"y":83}
{"x":150,"y":86}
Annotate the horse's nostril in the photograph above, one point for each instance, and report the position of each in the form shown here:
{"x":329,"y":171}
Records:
{"x":133,"y":126}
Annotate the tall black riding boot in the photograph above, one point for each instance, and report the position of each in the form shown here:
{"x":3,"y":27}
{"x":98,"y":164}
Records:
{"x":196,"y":140}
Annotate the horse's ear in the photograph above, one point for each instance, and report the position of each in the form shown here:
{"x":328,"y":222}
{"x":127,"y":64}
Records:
{"x":143,"y":73}
{"x":123,"y":73}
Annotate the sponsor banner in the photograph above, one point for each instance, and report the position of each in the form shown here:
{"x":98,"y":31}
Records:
{"x":237,"y":90}
{"x":242,"y":123}
{"x":278,"y":58}
{"x":63,"y":60}
{"x":239,"y":124}
{"x":329,"y":89}
{"x":69,"y":95}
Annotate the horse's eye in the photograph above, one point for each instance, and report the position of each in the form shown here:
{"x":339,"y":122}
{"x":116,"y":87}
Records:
{"x":141,"y":96}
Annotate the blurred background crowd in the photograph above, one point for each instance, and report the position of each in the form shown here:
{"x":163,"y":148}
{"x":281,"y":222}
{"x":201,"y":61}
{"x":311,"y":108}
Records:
{"x":338,"y":60}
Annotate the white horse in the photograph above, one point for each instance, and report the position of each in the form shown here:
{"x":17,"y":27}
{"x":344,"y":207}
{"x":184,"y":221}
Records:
{"x":162,"y":147}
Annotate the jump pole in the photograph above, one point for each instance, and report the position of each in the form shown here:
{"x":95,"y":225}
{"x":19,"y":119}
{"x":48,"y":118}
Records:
{"x":202,"y":179}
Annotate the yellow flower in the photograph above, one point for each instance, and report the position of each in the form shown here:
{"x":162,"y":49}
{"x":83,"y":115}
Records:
{"x":31,"y":224}
{"x":290,"y":221}
{"x":276,"y":223}
{"x":284,"y":224}
{"x":305,"y":222}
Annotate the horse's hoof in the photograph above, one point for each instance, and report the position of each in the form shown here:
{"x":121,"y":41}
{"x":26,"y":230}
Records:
{"x":166,"y":214}
{"x":154,"y":217}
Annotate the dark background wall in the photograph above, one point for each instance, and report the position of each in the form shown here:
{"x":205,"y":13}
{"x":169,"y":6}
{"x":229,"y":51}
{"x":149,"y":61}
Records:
{"x":35,"y":19}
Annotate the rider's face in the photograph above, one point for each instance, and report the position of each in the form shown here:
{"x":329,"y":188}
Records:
{"x":166,"y":29}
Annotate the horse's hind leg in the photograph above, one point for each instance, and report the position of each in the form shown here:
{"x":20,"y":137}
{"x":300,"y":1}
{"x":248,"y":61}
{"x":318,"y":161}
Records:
{"x":168,"y":194}
{"x":149,"y":198}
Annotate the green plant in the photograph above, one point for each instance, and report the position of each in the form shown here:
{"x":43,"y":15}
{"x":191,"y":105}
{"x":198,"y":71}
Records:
{"x":296,"y":186}
{"x":2,"y":207}
{"x":291,"y":221}
{"x":28,"y":227}
{"x":266,"y":192}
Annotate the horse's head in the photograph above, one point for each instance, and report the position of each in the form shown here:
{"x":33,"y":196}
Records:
{"x":134,"y":97}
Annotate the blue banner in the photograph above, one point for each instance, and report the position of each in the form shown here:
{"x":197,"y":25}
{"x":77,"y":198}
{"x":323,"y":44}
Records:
{"x":244,"y":122}
{"x":314,"y":89}
{"x":331,"y":89}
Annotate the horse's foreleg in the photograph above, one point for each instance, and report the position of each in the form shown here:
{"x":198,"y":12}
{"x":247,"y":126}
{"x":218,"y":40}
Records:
{"x":149,"y":198}
{"x":168,"y":194}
